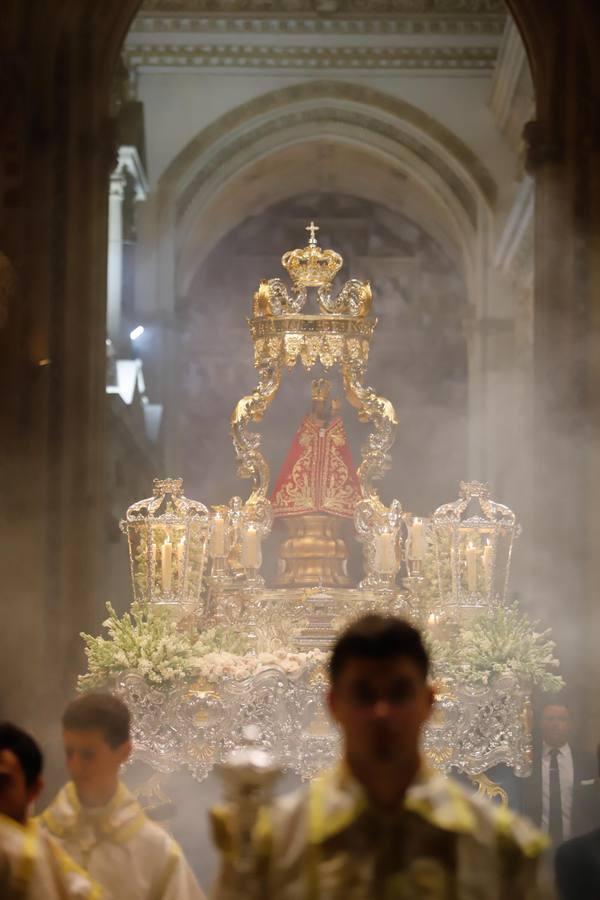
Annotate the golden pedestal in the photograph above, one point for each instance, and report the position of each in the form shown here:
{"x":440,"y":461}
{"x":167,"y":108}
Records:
{"x":314,"y":552}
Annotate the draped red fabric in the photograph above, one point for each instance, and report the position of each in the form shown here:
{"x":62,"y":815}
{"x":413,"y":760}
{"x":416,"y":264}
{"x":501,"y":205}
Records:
{"x":318,"y":474}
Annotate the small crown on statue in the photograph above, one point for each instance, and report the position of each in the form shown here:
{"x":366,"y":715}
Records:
{"x":320,"y":390}
{"x":311,"y":266}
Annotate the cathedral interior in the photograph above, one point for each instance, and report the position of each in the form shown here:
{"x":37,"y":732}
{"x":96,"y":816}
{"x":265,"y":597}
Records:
{"x":157,"y":158}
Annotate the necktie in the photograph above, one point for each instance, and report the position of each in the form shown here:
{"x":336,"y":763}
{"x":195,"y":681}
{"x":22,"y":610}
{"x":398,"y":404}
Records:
{"x":555,"y":821}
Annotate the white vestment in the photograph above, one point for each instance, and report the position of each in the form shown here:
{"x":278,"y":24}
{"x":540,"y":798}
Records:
{"x":131,"y":857}
{"x":34,"y":867}
{"x":327,"y":841}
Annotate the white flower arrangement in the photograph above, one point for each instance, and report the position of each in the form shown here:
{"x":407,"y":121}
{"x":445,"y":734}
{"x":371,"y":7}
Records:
{"x":145,"y":641}
{"x":503,"y":641}
{"x":216,"y":665}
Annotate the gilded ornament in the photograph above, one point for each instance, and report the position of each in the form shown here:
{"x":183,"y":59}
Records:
{"x":242,"y":653}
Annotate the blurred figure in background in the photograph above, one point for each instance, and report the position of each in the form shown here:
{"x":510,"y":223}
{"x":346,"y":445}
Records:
{"x":100,"y":823}
{"x":560,"y":796}
{"x":382,"y":824}
{"x":32,"y":865}
{"x":578,"y":865}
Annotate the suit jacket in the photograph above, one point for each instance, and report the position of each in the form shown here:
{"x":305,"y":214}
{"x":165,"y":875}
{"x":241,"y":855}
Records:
{"x":577,"y":865}
{"x":585,"y":809}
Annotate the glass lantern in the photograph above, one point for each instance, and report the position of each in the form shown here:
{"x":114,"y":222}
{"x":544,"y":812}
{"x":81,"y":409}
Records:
{"x":168,"y":536}
{"x":473,"y":540}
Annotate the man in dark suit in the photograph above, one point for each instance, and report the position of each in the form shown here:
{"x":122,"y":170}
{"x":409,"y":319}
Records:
{"x":577,"y":864}
{"x":560,"y":796}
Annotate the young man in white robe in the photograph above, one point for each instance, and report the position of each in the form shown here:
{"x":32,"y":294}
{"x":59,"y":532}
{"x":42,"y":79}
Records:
{"x":382,"y":825}
{"x":99,"y":822}
{"x":32,"y":865}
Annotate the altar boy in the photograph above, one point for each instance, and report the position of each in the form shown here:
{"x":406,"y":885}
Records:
{"x":100,"y":823}
{"x":32,"y":865}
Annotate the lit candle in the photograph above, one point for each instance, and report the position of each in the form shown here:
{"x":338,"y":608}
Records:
{"x":167,"y":565}
{"x":471,"y":568}
{"x":250,"y":548}
{"x":217,"y":546}
{"x":487,"y":560}
{"x":417,"y":540}
{"x":452,"y":561}
{"x":385,"y":553}
{"x":433,"y":620}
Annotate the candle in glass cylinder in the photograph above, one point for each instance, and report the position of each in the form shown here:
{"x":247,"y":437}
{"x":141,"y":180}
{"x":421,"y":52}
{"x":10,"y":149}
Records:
{"x":167,"y":565}
{"x":217,"y":544}
{"x":385,"y":553}
{"x":487,"y":560}
{"x":417,"y":540}
{"x":471,"y":554}
{"x":452,"y":560}
{"x":250,"y":548}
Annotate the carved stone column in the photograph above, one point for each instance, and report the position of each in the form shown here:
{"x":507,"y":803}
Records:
{"x":593,"y":467}
{"x":563,"y":569}
{"x":53,"y":226}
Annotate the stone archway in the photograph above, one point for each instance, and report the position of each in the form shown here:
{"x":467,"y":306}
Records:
{"x":393,"y":130}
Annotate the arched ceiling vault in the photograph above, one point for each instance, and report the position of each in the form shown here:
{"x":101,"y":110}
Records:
{"x":272,"y":147}
{"x":327,"y":165}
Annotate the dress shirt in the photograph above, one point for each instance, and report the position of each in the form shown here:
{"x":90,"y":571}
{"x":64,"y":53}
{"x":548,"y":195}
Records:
{"x":566,"y":775}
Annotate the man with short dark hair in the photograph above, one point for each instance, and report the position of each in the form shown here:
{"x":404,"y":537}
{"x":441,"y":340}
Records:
{"x":32,"y":865}
{"x":560,"y":796}
{"x":382,"y":824}
{"x":100,"y":823}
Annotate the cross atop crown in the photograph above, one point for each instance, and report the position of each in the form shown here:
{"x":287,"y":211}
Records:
{"x":312,"y":229}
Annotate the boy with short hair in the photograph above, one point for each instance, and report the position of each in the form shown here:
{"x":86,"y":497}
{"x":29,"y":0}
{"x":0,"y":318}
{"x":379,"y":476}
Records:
{"x":32,"y":865}
{"x":100,"y":823}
